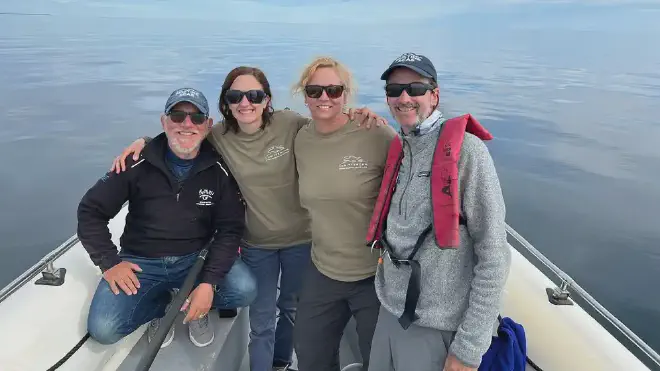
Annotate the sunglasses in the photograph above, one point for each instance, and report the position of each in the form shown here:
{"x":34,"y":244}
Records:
{"x":253,"y":96}
{"x":180,"y":116}
{"x":414,"y":89}
{"x":315,"y":91}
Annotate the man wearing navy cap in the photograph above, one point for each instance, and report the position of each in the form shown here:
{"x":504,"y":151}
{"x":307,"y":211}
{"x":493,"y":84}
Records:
{"x":440,"y":226}
{"x":180,"y":194}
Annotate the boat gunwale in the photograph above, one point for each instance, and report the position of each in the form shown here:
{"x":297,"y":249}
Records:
{"x":595,"y":309}
{"x":37,"y":268}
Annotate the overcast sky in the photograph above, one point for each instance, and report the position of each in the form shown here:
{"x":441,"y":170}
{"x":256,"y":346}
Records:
{"x":307,"y":11}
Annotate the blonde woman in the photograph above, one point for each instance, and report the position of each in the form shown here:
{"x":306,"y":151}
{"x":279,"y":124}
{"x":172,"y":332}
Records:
{"x":340,"y":167}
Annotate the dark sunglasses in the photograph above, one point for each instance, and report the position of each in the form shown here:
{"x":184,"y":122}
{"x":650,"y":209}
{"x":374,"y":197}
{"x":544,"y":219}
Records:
{"x":180,"y":116}
{"x":414,"y":89}
{"x":315,"y":91}
{"x":253,"y":96}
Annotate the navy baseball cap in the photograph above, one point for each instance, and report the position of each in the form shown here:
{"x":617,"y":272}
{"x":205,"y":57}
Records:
{"x":190,"y":95}
{"x":415,"y":62}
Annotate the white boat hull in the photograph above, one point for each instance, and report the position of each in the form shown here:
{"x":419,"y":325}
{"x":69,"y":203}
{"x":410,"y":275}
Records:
{"x":40,"y":324}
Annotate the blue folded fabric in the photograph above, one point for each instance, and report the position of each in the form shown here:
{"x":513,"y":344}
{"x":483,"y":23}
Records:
{"x":508,"y":350}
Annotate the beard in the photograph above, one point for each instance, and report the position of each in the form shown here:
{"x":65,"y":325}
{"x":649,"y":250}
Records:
{"x":184,"y":151}
{"x":420,"y":117}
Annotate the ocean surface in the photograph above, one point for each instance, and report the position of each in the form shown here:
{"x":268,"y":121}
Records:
{"x":571,"y":94}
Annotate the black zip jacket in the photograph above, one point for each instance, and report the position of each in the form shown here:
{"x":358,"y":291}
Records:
{"x":166,"y":218}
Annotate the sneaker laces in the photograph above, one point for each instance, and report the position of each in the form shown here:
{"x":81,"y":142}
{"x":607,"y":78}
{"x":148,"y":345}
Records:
{"x":201,"y":324}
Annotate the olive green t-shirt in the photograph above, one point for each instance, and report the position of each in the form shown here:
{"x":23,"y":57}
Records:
{"x":340,"y":176}
{"x":264,"y":166}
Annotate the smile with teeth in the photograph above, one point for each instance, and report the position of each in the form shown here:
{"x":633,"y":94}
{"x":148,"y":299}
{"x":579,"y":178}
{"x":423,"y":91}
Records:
{"x":246,"y":110}
{"x":406,"y":108}
{"x":324,"y":106}
{"x":186,"y":133}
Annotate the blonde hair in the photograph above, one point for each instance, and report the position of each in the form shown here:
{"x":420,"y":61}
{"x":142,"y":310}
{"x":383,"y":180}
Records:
{"x":350,"y":88}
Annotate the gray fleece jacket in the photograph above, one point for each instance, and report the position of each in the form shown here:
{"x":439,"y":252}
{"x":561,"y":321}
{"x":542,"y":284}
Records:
{"x":461,"y":288}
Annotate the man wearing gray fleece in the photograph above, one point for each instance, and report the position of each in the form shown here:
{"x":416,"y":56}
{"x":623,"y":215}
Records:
{"x":456,"y":311}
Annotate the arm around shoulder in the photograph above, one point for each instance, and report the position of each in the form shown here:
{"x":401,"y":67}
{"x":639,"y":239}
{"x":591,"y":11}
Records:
{"x":484,"y":209}
{"x":292,"y":118}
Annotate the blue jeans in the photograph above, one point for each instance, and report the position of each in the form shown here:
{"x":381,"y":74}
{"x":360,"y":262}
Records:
{"x":271,"y":345}
{"x":111,"y":317}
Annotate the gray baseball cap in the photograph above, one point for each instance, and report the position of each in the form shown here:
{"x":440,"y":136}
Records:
{"x":415,"y":62}
{"x":189,"y":95}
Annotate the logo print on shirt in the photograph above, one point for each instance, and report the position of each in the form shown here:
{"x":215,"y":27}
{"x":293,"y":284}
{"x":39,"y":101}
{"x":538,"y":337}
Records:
{"x":275,"y":152}
{"x":353,"y":162}
{"x":205,"y":197}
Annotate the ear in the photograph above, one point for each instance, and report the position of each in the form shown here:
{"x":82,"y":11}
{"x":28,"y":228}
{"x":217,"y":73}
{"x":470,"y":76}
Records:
{"x":210,"y":122}
{"x":436,"y":96}
{"x":163,"y":120}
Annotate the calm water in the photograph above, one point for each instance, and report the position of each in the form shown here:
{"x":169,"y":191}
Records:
{"x":574,"y":110}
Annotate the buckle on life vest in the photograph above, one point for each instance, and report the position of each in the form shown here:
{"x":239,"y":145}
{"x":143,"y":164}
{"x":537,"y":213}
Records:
{"x":373,"y":244}
{"x":390,"y":255}
{"x":397,"y":262}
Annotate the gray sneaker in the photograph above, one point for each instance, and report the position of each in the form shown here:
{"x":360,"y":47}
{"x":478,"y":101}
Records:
{"x":155,"y":323}
{"x":153,"y":327}
{"x":201,"y":331}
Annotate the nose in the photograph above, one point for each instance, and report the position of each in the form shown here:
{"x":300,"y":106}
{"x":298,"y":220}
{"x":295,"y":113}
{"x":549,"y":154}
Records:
{"x":324,"y":95}
{"x":187,"y":122}
{"x":244,"y":102}
{"x":404,"y":97}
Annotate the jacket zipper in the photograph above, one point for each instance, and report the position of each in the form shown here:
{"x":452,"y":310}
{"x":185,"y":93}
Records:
{"x":403,"y":193}
{"x":190,"y":175}
{"x":178,"y":192}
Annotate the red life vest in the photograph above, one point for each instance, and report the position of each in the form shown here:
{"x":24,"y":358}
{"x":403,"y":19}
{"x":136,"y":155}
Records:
{"x":444,"y":182}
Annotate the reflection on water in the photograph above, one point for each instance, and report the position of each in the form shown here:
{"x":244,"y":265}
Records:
{"x":574,"y":114}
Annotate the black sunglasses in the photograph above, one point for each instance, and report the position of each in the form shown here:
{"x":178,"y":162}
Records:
{"x":253,"y":96}
{"x":414,"y":89}
{"x":179,"y":116}
{"x":315,"y":91}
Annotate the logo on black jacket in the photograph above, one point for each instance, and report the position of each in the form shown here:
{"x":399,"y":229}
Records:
{"x":205,"y":197}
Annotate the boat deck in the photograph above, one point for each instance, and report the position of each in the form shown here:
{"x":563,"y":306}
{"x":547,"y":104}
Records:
{"x":564,"y":337}
{"x":227,"y":350}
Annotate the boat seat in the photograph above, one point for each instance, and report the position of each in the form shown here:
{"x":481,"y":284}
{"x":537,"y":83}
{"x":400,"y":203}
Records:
{"x":225,"y":353}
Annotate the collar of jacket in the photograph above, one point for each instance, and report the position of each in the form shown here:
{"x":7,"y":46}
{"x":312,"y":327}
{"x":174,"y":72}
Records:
{"x":427,"y":125}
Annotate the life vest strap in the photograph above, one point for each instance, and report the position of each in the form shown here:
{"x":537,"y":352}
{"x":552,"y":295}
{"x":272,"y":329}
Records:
{"x":414,"y":283}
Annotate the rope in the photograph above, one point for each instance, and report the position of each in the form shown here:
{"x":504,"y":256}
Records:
{"x":68,"y":355}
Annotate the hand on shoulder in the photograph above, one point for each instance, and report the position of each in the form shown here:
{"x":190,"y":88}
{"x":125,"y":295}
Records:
{"x":119,"y":164}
